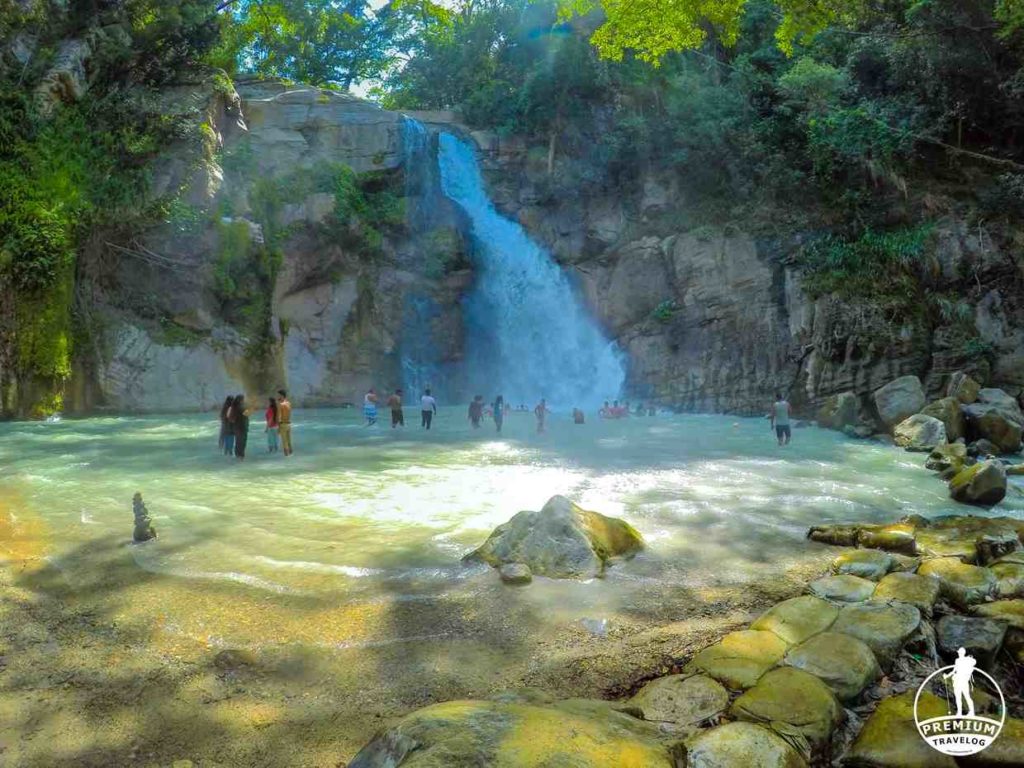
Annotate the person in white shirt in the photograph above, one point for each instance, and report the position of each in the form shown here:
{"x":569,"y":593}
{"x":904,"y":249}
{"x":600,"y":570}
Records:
{"x":428,"y":407}
{"x":780,"y":419}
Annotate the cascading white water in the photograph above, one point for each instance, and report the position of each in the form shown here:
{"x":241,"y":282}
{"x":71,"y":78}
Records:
{"x":529,"y":334}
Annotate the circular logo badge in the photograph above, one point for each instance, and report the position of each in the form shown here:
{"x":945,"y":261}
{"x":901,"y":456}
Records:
{"x":975,"y":708}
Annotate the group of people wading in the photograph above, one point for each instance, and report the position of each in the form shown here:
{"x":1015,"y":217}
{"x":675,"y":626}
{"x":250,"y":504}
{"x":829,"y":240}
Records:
{"x":478,"y":410}
{"x":234,"y":425}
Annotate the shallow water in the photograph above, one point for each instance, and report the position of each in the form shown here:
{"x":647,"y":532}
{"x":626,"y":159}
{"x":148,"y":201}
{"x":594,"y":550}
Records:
{"x":319,"y":548}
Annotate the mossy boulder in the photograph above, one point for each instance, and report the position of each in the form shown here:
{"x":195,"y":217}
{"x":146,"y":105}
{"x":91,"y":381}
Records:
{"x":1007,"y":750}
{"x":798,"y":618}
{"x":741,"y":744}
{"x":1009,"y":579}
{"x":516,"y":734}
{"x":883,"y":627}
{"x":680,"y":701}
{"x":516,"y":574}
{"x":889,"y":738}
{"x":983,"y":484}
{"x":842,"y":662}
{"x":958,"y":535}
{"x":919,"y":433}
{"x":1010,"y":612}
{"x":741,"y":658}
{"x":891,"y":538}
{"x":960,"y":583}
{"x":561,"y":541}
{"x":948,"y":411}
{"x":796,"y":699}
{"x":871,"y":564}
{"x":911,"y":588}
{"x":842,"y":588}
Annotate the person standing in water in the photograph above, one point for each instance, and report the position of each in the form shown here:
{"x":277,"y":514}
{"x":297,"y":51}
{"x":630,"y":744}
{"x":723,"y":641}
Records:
{"x":270,"y":415}
{"x":476,"y":411}
{"x":241,"y":425}
{"x":428,"y":409}
{"x":499,"y":412}
{"x":578,"y":416}
{"x":780,"y":419}
{"x":370,"y":407}
{"x":284,"y":421}
{"x":541,"y":412}
{"x":395,"y":404}
{"x":227,"y":435}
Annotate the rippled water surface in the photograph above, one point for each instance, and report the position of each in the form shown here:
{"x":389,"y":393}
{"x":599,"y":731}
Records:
{"x":309,"y":548}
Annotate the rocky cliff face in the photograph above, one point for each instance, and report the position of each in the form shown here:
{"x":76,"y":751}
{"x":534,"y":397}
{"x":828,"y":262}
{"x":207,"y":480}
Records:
{"x":303,"y":198}
{"x":719,"y":318}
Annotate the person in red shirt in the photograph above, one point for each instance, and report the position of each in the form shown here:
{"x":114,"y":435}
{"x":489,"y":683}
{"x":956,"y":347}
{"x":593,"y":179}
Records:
{"x":272,"y":426}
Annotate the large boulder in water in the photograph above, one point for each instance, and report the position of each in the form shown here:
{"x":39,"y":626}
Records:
{"x":919,"y":433}
{"x":561,"y":541}
{"x":983,"y":484}
{"x":963,"y":388}
{"x":516,"y":732}
{"x":838,"y":411}
{"x":899,"y":400}
{"x":948,"y":411}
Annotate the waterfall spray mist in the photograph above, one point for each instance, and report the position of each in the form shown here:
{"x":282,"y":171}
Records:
{"x":529,"y":334}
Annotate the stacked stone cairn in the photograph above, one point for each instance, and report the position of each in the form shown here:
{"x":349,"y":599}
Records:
{"x":144,"y":530}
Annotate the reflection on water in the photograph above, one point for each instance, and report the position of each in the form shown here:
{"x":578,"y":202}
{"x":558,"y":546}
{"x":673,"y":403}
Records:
{"x":310,"y":548}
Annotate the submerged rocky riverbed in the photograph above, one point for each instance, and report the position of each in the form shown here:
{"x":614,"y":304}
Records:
{"x":287,"y":611}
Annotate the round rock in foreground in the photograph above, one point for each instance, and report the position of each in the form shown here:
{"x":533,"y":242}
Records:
{"x":741,"y":744}
{"x":515,"y":573}
{"x":680,"y":700}
{"x":843,"y":663}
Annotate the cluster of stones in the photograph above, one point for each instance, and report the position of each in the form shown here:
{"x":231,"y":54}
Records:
{"x":965,"y":430}
{"x":829,"y":677}
{"x":144,"y":530}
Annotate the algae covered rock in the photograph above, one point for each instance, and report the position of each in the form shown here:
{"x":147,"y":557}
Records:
{"x":798,"y":618}
{"x":890,"y":739}
{"x":911,"y":588}
{"x":561,"y":541}
{"x":1007,"y":750}
{"x":870,"y":564}
{"x":680,"y":700}
{"x":883,"y":627}
{"x":842,"y":588}
{"x":741,"y":744}
{"x":794,"y":698}
{"x":741,"y":658}
{"x":983,"y":484}
{"x":960,"y":583}
{"x":948,"y":411}
{"x":899,"y":399}
{"x":919,"y":433}
{"x":891,"y":538}
{"x":842,"y":662}
{"x":981,"y":637}
{"x":951,"y":456}
{"x":516,"y":734}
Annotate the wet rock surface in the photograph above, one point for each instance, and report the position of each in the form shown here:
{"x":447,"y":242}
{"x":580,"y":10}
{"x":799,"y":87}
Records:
{"x":561,"y":541}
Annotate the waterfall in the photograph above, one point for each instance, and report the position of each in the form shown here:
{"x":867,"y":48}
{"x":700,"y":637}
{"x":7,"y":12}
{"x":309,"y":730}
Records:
{"x":528,"y":334}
